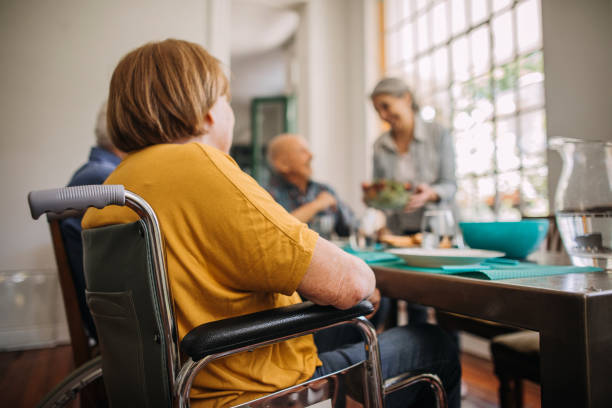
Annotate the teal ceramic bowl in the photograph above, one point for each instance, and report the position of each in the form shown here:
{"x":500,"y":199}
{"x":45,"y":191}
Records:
{"x":516,"y":238}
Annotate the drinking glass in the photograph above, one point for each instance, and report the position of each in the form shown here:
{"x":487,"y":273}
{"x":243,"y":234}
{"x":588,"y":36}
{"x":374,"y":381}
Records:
{"x":438,"y":228}
{"x":364,"y":235}
{"x":324,"y":225}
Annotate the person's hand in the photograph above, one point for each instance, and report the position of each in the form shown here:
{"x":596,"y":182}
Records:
{"x":375,"y":300}
{"x":423,"y":194}
{"x":325,"y":200}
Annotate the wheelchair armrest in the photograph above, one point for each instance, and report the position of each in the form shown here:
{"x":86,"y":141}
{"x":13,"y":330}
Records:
{"x":243,"y":331}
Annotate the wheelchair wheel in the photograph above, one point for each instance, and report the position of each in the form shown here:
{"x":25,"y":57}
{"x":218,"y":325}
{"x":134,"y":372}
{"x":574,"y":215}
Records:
{"x":73,"y":384}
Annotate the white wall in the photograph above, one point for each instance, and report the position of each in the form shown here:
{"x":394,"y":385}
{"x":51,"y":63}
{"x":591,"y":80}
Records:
{"x":57,"y":60}
{"x":335,"y":49}
{"x":577,"y":39}
{"x":254,"y":76}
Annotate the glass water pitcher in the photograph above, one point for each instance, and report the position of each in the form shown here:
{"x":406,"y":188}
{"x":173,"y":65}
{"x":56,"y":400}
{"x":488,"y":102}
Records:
{"x":583,"y":200}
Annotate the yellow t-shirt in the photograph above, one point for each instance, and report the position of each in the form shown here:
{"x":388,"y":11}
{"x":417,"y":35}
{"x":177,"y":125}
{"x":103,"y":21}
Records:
{"x":230,"y":250}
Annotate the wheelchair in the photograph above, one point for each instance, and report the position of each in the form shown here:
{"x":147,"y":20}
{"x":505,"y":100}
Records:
{"x":141,"y":362}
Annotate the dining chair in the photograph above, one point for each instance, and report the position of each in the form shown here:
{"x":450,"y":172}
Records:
{"x":82,"y":350}
{"x":516,"y":357}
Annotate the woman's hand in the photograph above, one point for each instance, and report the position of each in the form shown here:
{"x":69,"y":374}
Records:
{"x":423,"y":194}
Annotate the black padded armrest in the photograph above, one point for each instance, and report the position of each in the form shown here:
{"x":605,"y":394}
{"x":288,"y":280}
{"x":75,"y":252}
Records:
{"x":247,"y":330}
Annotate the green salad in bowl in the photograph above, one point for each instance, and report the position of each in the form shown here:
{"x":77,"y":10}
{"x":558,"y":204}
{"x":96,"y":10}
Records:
{"x":387,"y":194}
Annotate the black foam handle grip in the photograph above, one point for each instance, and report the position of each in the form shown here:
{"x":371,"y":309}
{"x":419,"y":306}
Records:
{"x":58,"y":200}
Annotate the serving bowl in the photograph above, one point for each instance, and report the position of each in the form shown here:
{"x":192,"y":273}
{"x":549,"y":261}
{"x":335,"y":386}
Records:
{"x":517,"y":239}
{"x":386,"y":194}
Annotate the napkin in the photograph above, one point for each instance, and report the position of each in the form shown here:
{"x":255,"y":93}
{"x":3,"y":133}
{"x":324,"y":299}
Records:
{"x":492,"y":271}
{"x":372,"y":256}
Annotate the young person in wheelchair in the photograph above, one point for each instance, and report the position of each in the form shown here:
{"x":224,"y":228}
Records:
{"x":230,"y":248}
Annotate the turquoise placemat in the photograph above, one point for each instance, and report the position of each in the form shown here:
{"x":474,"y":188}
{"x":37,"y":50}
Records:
{"x":373,"y":257}
{"x":494,"y":271}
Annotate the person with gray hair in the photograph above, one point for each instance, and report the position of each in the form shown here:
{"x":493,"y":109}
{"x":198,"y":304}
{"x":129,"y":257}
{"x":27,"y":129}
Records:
{"x":103,"y":158}
{"x":412,"y":151}
{"x":416,"y":152}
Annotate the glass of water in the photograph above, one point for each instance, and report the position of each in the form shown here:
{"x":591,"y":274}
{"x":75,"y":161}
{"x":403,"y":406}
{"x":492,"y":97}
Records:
{"x":324,"y":224}
{"x":438,"y":228}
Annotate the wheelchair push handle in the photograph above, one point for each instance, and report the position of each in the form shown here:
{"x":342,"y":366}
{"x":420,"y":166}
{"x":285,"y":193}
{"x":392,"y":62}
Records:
{"x":58,"y":200}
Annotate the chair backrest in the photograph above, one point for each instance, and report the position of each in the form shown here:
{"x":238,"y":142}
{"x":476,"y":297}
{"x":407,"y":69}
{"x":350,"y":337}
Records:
{"x":81,"y":350}
{"x":122,"y":298}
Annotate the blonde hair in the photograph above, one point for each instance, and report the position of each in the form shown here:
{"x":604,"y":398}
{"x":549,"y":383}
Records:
{"x":161,"y":93}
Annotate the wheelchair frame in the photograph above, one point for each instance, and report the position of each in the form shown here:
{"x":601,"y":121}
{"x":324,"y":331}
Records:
{"x":181,"y":376}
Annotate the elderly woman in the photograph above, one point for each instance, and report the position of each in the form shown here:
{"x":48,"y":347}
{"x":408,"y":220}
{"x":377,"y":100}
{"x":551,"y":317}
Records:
{"x":416,"y":152}
{"x":412,"y":151}
{"x":230,"y":248}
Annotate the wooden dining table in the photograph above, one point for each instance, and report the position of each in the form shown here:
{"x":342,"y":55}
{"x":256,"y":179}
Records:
{"x":572,"y":312}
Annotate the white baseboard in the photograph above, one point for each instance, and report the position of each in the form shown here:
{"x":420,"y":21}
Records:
{"x":33,"y":337}
{"x":32,"y":310}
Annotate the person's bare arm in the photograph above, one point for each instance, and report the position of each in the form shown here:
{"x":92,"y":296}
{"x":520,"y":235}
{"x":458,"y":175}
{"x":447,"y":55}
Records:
{"x":336,"y":278}
{"x":323,"y":201}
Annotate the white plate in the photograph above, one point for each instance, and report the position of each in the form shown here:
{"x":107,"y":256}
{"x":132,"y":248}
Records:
{"x":435,"y":258}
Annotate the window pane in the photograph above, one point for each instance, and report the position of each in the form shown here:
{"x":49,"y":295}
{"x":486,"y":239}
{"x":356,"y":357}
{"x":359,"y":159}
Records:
{"x":508,"y":187}
{"x":407,"y":44}
{"x":479,"y":11}
{"x":460,"y":59}
{"x":405,"y":9}
{"x":391,"y":45}
{"x":466,"y":199}
{"x":440,"y":62}
{"x":424,"y":79}
{"x":500,"y":4}
{"x":503,"y":38}
{"x":408,"y":74}
{"x":507,"y":145}
{"x":486,"y":198}
{"x":439,"y":23}
{"x":475,"y":149}
{"x":531,"y":81}
{"x":534,"y":191}
{"x":528,"y":25}
{"x":422,"y":33}
{"x":395,"y":70}
{"x":505,"y":103}
{"x":480,"y":94}
{"x":480,"y":50}
{"x":505,"y":78}
{"x":458,"y":22}
{"x":533,"y":139}
{"x":391,"y":12}
{"x":531,"y":95}
{"x":421,"y":4}
{"x":442,"y":106}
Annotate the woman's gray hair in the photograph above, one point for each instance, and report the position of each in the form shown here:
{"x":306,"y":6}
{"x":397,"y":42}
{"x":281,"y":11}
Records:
{"x":394,"y":87}
{"x":103,"y":139}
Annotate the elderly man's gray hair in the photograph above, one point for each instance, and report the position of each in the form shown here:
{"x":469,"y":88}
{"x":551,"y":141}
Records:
{"x":103,"y":139}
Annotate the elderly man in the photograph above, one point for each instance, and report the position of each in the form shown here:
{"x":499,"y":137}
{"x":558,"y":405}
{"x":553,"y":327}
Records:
{"x":103,"y":158}
{"x":313,"y":203}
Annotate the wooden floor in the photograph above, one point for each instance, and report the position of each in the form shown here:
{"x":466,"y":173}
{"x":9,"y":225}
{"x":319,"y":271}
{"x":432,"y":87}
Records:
{"x":25,"y":376}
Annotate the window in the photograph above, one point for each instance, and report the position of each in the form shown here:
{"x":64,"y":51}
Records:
{"x":478,"y":63}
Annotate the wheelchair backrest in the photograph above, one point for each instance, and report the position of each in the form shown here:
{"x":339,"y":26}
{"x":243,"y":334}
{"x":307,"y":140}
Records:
{"x":121,"y":296}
